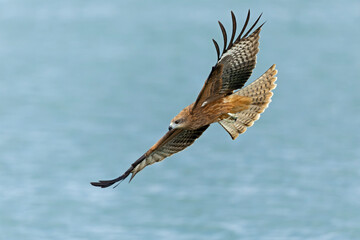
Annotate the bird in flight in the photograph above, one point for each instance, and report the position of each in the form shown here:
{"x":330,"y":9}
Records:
{"x":223,"y":99}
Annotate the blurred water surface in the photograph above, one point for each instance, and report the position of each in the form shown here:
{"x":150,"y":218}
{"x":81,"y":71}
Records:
{"x":86,"y":87}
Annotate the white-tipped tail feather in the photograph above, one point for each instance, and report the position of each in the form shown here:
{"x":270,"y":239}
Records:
{"x":260,"y":93}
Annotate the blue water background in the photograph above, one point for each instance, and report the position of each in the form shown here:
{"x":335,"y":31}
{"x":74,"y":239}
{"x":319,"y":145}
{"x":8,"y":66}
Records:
{"x":86,"y":87}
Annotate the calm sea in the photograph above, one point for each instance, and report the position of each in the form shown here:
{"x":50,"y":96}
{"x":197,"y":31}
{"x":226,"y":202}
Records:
{"x":86,"y":87}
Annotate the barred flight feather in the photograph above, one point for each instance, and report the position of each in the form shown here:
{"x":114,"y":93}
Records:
{"x":235,"y":64}
{"x":260,"y":93}
{"x":175,"y":141}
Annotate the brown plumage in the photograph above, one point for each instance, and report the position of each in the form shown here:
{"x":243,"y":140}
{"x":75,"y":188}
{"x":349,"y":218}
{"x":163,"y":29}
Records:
{"x":217,"y":101}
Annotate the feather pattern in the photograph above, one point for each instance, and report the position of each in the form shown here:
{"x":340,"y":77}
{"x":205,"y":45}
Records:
{"x":236,"y":62}
{"x":240,"y":60}
{"x":182,"y":139}
{"x":172,"y":142}
{"x":260,"y":93}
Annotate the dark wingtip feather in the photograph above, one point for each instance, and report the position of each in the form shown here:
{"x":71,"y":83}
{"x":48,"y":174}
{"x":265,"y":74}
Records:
{"x":257,"y":20}
{"x":217,"y":49}
{"x":244,"y":27}
{"x":232,"y":42}
{"x":132,"y":176}
{"x":108,"y":183}
{"x":224,"y":35}
{"x":233,"y":30}
{"x":103,"y":183}
{"x":261,"y":25}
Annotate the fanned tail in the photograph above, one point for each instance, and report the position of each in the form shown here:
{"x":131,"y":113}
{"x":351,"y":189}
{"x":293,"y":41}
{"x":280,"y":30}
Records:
{"x":260,"y":93}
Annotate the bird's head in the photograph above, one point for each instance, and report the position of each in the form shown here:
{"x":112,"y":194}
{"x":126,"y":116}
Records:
{"x":176,"y":123}
{"x":180,"y":120}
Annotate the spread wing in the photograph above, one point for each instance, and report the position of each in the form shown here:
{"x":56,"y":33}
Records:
{"x":234,"y":65}
{"x":172,"y":142}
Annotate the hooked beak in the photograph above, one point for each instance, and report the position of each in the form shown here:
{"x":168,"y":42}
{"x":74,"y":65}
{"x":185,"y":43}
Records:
{"x":172,"y":126}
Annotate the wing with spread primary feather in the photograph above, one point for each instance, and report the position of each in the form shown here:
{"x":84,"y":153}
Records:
{"x":172,"y":142}
{"x":234,"y":65}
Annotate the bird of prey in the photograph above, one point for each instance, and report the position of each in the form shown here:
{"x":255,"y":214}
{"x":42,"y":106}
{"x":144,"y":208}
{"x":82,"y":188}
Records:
{"x":223,"y":99}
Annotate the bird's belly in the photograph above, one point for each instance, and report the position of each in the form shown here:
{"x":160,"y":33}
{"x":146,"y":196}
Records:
{"x":220,"y":109}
